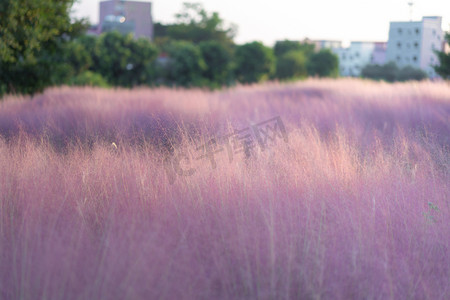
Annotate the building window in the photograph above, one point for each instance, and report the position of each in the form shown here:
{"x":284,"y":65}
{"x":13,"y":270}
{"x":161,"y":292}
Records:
{"x":399,"y":31}
{"x":434,"y":32}
{"x":417,"y":31}
{"x":415,"y":58}
{"x":416,"y":45}
{"x":398,"y":58}
{"x":399,"y":45}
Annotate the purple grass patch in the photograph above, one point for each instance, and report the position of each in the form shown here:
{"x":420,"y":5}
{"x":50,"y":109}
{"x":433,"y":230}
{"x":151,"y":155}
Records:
{"x":354,"y":206}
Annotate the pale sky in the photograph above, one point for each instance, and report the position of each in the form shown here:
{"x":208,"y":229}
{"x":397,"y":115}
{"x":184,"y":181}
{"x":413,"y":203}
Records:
{"x":272,"y":20}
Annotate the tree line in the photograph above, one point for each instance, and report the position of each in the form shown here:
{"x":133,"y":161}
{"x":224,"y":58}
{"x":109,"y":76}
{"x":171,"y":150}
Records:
{"x":42,"y":46}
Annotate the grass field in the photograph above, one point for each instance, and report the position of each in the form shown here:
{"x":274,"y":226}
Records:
{"x":354,"y":205}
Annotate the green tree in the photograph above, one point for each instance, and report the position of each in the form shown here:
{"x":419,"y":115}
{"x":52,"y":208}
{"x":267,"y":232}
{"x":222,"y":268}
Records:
{"x":282,"y":47}
{"x":443,"y":68}
{"x":291,"y":65}
{"x":141,"y":63}
{"x":74,"y":59}
{"x":186,"y":65}
{"x":194,"y":24}
{"x":254,"y":62}
{"x":32,"y":34}
{"x":323,"y":64}
{"x":123,"y":60}
{"x":218,"y":60}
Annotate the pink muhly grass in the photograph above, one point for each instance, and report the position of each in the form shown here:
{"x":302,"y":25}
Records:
{"x":354,"y":206}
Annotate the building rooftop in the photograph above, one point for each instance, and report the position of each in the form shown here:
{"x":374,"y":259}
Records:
{"x":433,"y":18}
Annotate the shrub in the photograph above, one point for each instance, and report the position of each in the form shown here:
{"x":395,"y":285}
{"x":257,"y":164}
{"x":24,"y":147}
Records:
{"x":390,"y":72}
{"x":409,"y":73}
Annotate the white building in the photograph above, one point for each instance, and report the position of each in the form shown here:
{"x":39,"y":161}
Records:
{"x":354,"y":58}
{"x":413,"y":43}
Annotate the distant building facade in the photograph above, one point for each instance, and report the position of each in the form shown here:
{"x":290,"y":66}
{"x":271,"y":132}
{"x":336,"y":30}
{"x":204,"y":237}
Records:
{"x":413,"y":43}
{"x":379,"y":53}
{"x":354,"y":58}
{"x":126,"y":17}
{"x":326,"y":44}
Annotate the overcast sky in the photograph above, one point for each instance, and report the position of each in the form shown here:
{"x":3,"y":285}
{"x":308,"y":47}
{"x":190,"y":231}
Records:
{"x":268,"y":21}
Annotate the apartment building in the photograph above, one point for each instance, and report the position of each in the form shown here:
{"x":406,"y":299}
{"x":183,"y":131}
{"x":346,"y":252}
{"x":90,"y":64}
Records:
{"x":126,"y":17}
{"x":414,"y":43}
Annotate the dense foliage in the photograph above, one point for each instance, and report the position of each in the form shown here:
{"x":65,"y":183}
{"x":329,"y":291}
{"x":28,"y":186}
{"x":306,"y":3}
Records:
{"x":254,"y":62}
{"x":282,"y":47}
{"x":323,"y":64}
{"x":186,"y":65}
{"x":33,"y":33}
{"x":196,"y":25}
{"x":218,"y":62}
{"x":291,"y":64}
{"x":443,"y":68}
